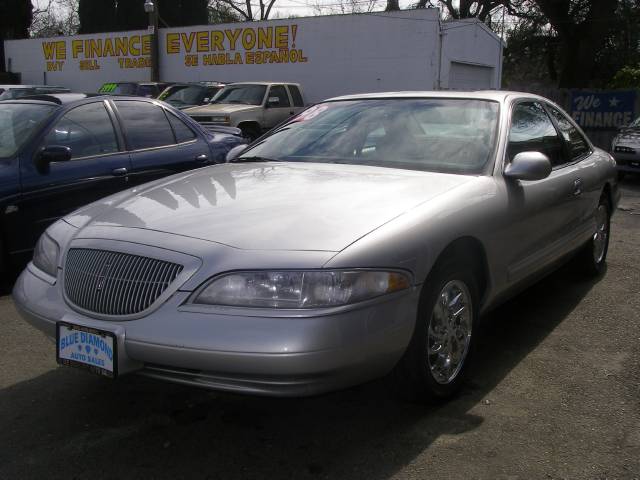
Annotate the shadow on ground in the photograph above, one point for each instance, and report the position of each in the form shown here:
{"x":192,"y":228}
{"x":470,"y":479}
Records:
{"x":66,"y":423}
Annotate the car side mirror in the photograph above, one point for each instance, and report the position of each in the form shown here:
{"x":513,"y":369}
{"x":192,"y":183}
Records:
{"x":273,"y":102}
{"x":528,"y":166}
{"x":51,"y":154}
{"x":234,"y":152}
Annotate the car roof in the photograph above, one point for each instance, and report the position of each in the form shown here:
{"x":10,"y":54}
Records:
{"x":67,"y":98}
{"x":198,"y":84}
{"x":136,"y":82}
{"x":13,"y":87}
{"x":263,"y":83}
{"x":494,"y":95}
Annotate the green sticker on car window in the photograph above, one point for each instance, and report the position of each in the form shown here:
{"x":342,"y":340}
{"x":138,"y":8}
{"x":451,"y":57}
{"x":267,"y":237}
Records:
{"x":107,"y":87}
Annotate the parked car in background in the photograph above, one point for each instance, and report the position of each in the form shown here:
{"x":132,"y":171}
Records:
{"x":140,"y":89}
{"x":60,"y":152}
{"x":185,"y":95}
{"x":253,"y":107}
{"x":365,"y":236}
{"x":625,"y":148}
{"x":10,"y":92}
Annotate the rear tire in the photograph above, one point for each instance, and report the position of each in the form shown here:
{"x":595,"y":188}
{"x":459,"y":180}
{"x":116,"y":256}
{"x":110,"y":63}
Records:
{"x":438,"y":358}
{"x":593,"y":257}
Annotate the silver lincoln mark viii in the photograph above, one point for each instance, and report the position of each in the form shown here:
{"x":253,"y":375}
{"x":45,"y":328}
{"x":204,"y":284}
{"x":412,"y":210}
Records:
{"x":365,"y":236}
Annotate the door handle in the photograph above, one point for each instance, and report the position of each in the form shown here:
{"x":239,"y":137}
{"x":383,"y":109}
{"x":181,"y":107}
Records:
{"x":119,"y":172}
{"x":577,"y":187}
{"x":203,"y":158}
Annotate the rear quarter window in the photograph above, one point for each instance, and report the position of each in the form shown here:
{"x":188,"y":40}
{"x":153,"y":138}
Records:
{"x":145,"y":124}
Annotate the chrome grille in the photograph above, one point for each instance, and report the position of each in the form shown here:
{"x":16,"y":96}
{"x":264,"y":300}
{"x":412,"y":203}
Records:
{"x":114,"y":283}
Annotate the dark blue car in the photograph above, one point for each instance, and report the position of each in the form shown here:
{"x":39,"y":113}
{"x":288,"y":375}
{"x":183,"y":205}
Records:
{"x":59,"y":152}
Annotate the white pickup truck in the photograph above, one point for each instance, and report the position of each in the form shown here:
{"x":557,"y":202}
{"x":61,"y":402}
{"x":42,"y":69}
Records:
{"x":253,"y":107}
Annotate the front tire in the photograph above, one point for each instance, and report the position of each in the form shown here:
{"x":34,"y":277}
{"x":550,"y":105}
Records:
{"x":437,"y":360}
{"x":250,"y":130}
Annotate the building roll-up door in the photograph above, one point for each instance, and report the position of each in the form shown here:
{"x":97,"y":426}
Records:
{"x":466,"y":76}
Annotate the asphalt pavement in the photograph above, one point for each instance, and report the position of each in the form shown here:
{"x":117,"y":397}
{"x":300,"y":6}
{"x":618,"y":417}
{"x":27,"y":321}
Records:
{"x":555,"y":395}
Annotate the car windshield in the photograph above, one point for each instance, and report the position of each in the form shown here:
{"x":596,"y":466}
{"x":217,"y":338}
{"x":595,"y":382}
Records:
{"x":18,"y":122}
{"x":245,"y":94}
{"x":191,"y":95}
{"x":442,"y":135}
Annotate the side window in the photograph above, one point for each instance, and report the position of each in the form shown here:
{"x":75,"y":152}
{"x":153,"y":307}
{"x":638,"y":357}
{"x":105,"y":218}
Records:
{"x":280,"y":92}
{"x":182,"y":131}
{"x":532,"y":130}
{"x":87,"y":130}
{"x":145,"y":124}
{"x":147,"y":91}
{"x":576,"y":143}
{"x":296,"y":96}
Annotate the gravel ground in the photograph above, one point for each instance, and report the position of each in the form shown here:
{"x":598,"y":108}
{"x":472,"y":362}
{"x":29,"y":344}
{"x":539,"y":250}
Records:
{"x":556,"y":394}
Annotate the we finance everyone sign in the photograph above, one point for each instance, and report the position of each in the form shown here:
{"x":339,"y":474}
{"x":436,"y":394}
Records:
{"x":237,"y":46}
{"x":603,"y":110}
{"x":228,"y":46}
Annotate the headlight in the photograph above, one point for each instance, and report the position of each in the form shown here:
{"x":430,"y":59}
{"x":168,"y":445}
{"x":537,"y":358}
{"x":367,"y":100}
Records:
{"x":45,"y":256}
{"x":224,"y":119}
{"x":295,"y":289}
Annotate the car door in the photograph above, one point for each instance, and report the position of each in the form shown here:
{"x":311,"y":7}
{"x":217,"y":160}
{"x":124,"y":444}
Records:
{"x":587,"y":183}
{"x":160,"y":143}
{"x":278,"y":107}
{"x":541,"y":213}
{"x":98,"y":167}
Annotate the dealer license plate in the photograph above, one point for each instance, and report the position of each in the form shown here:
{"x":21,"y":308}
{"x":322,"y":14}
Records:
{"x":87,"y":348}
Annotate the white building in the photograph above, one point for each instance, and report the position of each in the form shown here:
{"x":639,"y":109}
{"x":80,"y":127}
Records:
{"x":328,"y":55}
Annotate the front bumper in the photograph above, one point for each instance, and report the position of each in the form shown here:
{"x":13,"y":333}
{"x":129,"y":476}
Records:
{"x":305,"y":353}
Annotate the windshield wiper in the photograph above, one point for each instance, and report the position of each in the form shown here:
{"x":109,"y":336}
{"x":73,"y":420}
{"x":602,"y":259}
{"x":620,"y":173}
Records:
{"x":253,"y":159}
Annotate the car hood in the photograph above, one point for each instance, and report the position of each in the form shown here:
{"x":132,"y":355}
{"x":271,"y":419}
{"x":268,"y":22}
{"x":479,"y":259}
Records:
{"x":629,"y":138}
{"x":271,"y":206}
{"x":220,"y":108}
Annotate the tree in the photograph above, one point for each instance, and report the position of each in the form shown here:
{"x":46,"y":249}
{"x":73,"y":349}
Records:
{"x":59,"y":17}
{"x":480,"y":9}
{"x":221,"y":13}
{"x":530,"y":57}
{"x":130,"y":15}
{"x":346,"y":6}
{"x":582,"y":27}
{"x":97,"y":16}
{"x":115,"y":15}
{"x":244,"y":8}
{"x":626,"y":77}
{"x":14,"y":23}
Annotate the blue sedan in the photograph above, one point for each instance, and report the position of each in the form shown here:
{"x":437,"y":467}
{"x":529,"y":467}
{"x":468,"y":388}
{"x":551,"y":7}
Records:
{"x":59,"y":152}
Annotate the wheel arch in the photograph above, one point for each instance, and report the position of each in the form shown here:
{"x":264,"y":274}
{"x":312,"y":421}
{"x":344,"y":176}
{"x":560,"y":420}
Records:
{"x":472,"y":250}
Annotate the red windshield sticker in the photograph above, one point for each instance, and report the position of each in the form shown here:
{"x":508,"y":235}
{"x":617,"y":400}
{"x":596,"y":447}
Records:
{"x":311,"y":112}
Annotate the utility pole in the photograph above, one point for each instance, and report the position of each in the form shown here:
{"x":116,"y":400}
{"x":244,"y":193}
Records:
{"x":151,"y":8}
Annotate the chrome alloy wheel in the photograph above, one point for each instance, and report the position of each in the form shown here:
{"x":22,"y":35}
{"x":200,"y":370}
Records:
{"x":602,"y":233}
{"x":449,"y":332}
